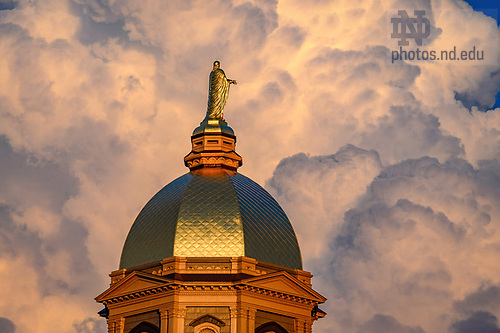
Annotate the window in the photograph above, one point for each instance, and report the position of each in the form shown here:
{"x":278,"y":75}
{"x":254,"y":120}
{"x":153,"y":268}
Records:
{"x":207,"y":324}
{"x":271,"y":327}
{"x":145,"y":327}
{"x":207,"y":330}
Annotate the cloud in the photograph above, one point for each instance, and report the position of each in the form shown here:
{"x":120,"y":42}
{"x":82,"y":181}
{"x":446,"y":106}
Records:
{"x":413,"y":134}
{"x":382,"y":323}
{"x":419,"y":237}
{"x":90,"y":325}
{"x":7,"y":326}
{"x":478,"y":322}
{"x":485,"y":298}
{"x":378,"y":164}
{"x":308,"y":185}
{"x":41,"y":244}
{"x":7,"y":4}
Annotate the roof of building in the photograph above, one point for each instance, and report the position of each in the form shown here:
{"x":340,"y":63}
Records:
{"x":227,"y":215}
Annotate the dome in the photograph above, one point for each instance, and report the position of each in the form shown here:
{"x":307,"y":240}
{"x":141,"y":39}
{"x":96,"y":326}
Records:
{"x":227,"y":215}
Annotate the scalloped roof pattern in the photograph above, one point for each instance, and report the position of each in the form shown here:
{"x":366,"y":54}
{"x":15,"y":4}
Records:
{"x":200,"y":216}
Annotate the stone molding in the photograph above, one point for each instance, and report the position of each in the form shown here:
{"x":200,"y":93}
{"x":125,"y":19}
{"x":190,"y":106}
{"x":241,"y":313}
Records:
{"x":203,"y":289}
{"x":218,"y":265}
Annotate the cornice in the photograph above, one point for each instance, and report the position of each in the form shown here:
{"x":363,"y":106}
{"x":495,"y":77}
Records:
{"x":209,"y":289}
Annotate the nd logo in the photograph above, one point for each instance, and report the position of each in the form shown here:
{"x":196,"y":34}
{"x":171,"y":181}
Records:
{"x":418,"y":26}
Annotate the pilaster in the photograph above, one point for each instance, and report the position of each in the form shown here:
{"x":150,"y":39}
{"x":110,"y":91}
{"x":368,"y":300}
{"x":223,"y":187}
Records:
{"x":163,"y":321}
{"x":234,"y":319}
{"x":111,"y":326}
{"x":176,"y":320}
{"x":300,"y":326}
{"x":116,"y":325}
{"x":251,"y":319}
{"x":241,"y":320}
{"x":308,"y":326}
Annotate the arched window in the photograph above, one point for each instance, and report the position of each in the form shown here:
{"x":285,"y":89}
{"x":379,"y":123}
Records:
{"x":145,"y":327}
{"x":271,"y":327}
{"x":207,"y":324}
{"x":207,"y":330}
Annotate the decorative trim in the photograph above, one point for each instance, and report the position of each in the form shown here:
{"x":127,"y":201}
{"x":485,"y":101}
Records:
{"x":163,"y":315}
{"x":213,"y":134}
{"x":207,"y":319}
{"x":208,"y":288}
{"x":234,"y":312}
{"x":207,"y":326}
{"x":226,"y":266}
{"x":140,"y":294}
{"x":178,"y":312}
{"x":213,"y":161}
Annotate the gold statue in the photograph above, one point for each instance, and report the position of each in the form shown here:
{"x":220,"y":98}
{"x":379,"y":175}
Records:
{"x":217,"y":92}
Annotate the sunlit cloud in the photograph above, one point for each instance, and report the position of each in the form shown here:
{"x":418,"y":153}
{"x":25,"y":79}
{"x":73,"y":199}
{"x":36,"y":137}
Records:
{"x":388,"y":171}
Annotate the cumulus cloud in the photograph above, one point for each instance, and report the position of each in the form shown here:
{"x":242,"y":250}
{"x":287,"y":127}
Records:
{"x":485,"y":298}
{"x":308,"y":185}
{"x":43,"y":255}
{"x":378,"y":164}
{"x":413,"y":251}
{"x":90,"y":325}
{"x":477,"y":322}
{"x":413,"y":134}
{"x":382,"y":323}
{"x":7,"y":326}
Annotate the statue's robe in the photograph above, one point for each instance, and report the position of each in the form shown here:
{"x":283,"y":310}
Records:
{"x":217,"y":94}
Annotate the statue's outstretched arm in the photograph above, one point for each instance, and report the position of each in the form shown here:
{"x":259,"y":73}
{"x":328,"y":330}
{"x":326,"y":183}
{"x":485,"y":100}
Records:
{"x":232,"y":81}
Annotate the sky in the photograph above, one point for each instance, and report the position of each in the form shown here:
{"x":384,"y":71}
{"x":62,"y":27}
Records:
{"x":388,"y":169}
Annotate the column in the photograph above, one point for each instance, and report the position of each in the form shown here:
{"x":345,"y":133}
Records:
{"x":241,"y":319}
{"x":176,"y":320}
{"x":251,"y":320}
{"x":163,"y":321}
{"x":116,"y":325}
{"x":299,"y":326}
{"x":112,"y":326}
{"x":234,"y":319}
{"x":308,"y":326}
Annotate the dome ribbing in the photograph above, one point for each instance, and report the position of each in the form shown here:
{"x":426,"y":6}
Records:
{"x":227,"y":215}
